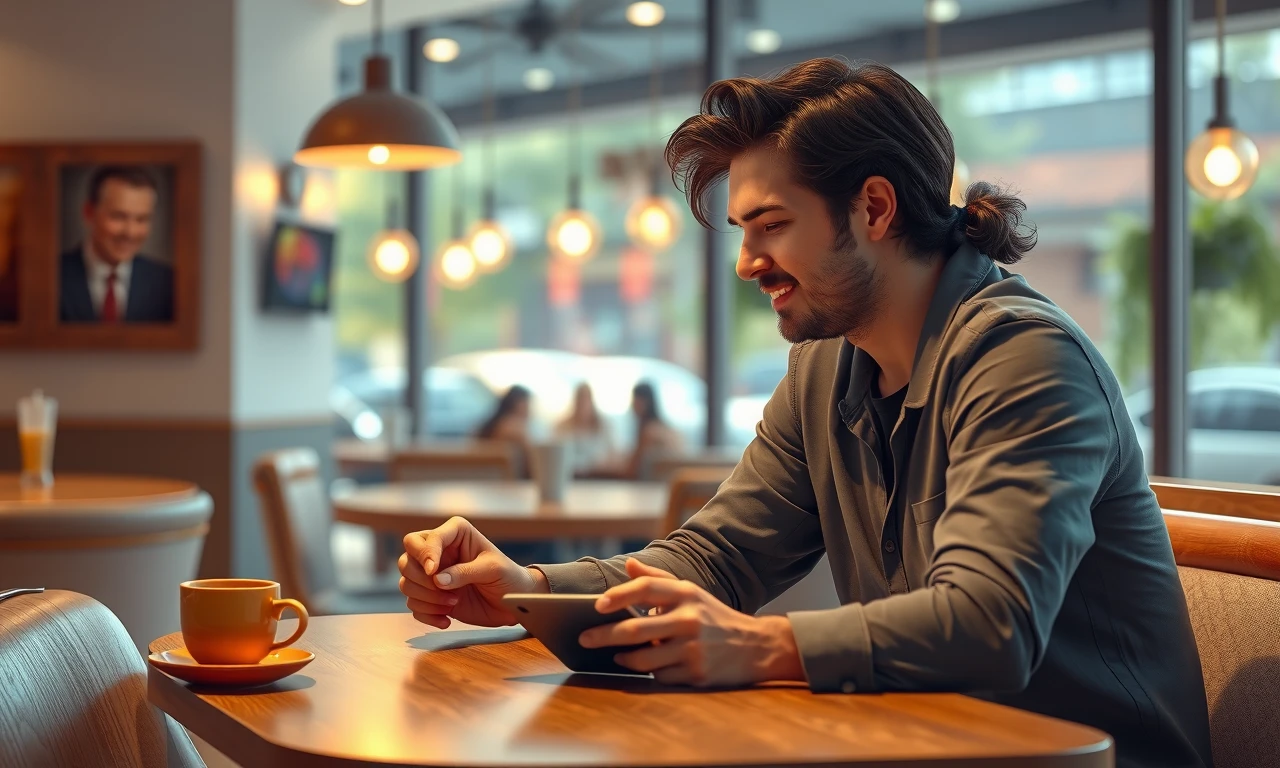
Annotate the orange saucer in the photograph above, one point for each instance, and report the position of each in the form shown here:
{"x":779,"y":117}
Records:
{"x":277,"y":665}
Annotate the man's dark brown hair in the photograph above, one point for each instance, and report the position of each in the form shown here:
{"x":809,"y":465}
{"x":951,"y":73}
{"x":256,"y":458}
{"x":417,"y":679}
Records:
{"x":132,"y":175}
{"x":840,"y":124}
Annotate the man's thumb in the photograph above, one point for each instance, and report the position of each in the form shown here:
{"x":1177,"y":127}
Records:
{"x":462,"y":574}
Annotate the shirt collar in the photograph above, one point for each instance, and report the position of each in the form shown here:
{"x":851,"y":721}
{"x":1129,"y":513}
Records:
{"x":100,"y":269}
{"x":965,"y":272}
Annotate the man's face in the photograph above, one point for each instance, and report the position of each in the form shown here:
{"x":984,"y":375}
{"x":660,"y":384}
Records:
{"x":120,"y":221}
{"x":789,"y":244}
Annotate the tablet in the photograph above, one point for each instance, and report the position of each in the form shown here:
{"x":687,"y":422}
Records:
{"x":557,"y":620}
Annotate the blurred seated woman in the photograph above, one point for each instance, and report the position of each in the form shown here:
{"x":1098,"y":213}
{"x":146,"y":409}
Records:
{"x":510,"y":424}
{"x":654,"y":437}
{"x":590,"y":445}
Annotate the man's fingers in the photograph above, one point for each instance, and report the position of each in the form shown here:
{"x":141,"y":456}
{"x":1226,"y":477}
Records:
{"x":426,"y":547}
{"x":655,"y":657}
{"x":427,"y":607}
{"x":645,"y":590}
{"x":635,"y":631}
{"x":426,"y":594}
{"x":439,"y":622}
{"x":411,"y":569}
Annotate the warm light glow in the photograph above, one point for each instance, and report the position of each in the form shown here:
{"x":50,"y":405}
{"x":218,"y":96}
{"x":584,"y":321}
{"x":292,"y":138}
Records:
{"x":319,"y":203}
{"x":490,"y":244}
{"x":646,"y":14}
{"x":539,"y":79}
{"x":573,"y":235}
{"x":959,"y":182}
{"x":1222,"y":167}
{"x":763,"y":41}
{"x":942,"y":11}
{"x":441,"y":49}
{"x":259,"y":186}
{"x":353,"y":2}
{"x":457,"y":264}
{"x":394,"y":157}
{"x":1222,"y":163}
{"x":393,"y":255}
{"x":653,"y":223}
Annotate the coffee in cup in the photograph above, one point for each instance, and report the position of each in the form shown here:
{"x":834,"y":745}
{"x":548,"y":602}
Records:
{"x":233,"y":621}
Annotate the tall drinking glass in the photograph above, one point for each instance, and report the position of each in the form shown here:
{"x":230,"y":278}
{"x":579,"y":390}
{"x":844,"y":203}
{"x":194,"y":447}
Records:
{"x":37,"y":423}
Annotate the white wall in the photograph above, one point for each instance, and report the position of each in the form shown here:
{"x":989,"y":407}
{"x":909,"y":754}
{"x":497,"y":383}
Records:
{"x":129,"y":69}
{"x":285,"y":74}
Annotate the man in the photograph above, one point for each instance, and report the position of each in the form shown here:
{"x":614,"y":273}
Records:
{"x":946,"y":434}
{"x":105,"y":279}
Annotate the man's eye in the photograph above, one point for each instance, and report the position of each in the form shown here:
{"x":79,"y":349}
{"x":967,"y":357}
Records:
{"x":774,"y":226}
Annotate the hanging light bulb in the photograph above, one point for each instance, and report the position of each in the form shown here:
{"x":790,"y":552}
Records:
{"x":573,"y":234}
{"x":393,"y":255}
{"x":653,"y":222}
{"x":456,"y":263}
{"x":1222,"y":162}
{"x":489,"y":241}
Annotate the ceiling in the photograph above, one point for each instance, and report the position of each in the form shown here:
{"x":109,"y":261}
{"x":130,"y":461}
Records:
{"x":612,"y":49}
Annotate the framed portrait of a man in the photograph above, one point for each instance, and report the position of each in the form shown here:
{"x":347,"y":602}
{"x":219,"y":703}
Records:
{"x":125,"y":267}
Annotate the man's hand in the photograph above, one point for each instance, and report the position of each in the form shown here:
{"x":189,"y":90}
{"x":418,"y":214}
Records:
{"x":694,"y":638}
{"x":455,"y":572}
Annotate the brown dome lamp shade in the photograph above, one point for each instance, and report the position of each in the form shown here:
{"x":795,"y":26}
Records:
{"x":379,"y":129}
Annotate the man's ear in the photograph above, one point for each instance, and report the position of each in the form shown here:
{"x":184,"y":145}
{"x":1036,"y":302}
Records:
{"x":879,"y":207}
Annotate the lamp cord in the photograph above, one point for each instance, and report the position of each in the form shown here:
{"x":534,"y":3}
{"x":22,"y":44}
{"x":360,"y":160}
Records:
{"x":1221,"y":13}
{"x":655,"y":102}
{"x":490,"y":109}
{"x":377,"y":27}
{"x":575,"y":107}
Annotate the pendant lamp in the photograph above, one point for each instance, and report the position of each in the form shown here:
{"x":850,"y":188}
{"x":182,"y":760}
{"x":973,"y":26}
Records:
{"x":933,"y":15}
{"x":393,"y":252}
{"x":653,"y":221}
{"x":378,"y":128}
{"x":490,"y":242}
{"x":455,"y":263}
{"x":574,"y":234}
{"x":1222,"y":162}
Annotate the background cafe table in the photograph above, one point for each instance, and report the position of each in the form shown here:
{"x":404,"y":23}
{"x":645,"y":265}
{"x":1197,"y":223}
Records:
{"x":385,"y":690}
{"x":510,"y":510}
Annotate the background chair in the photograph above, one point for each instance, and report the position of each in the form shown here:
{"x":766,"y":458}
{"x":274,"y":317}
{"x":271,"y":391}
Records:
{"x":1230,"y":570}
{"x":131,"y":559}
{"x":75,"y":690}
{"x":298,"y":519}
{"x":476,"y":460}
{"x":691,"y":489}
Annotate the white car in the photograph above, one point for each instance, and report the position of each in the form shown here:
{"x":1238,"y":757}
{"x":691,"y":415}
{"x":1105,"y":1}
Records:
{"x":1234,"y":424}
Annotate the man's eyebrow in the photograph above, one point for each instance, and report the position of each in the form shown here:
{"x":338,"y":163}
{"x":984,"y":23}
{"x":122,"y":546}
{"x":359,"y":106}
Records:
{"x":759,"y":210}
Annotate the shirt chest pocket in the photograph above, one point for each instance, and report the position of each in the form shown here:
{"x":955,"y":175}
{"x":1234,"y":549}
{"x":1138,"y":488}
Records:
{"x":917,"y":536}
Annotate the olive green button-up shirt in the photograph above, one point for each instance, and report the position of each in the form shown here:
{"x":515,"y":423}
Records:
{"x":1031,"y":565}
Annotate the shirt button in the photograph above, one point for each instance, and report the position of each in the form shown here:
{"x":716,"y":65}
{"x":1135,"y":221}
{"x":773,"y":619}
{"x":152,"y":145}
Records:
{"x":848,"y":687}
{"x":890,"y":547}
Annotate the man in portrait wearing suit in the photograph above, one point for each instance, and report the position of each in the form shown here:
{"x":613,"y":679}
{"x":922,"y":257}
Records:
{"x":105,"y":279}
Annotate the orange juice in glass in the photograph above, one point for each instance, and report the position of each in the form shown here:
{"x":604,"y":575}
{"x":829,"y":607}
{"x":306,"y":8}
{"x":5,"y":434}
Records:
{"x":37,"y":421}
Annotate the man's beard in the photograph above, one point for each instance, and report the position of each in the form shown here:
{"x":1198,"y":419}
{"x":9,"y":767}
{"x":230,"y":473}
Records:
{"x":842,"y":297}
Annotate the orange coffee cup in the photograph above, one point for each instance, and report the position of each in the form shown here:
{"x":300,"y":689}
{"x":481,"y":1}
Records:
{"x":233,"y":621}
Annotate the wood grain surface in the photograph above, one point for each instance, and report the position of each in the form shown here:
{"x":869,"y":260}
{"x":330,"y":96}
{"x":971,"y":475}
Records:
{"x":70,"y":490}
{"x":510,"y":510}
{"x":1259,"y":502}
{"x":385,"y":690}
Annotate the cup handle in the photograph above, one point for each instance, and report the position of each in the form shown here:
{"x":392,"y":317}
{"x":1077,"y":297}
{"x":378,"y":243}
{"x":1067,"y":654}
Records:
{"x":278,"y":607}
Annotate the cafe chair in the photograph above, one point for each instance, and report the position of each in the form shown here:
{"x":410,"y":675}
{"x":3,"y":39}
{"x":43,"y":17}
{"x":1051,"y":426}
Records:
{"x":692,"y":487}
{"x":298,"y":519}
{"x":1230,"y":571}
{"x":74,"y":690}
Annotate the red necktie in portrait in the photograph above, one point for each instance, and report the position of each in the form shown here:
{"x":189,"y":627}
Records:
{"x":110,"y":313}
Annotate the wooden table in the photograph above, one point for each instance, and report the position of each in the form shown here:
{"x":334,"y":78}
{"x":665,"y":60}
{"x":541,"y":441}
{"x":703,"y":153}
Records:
{"x":84,"y":491}
{"x":510,"y":510}
{"x":385,"y":690}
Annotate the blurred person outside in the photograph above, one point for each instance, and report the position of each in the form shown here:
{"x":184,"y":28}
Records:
{"x":509,"y":424}
{"x":585,"y":433}
{"x":945,"y":434}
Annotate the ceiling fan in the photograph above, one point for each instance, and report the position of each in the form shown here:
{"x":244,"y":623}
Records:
{"x":540,"y":27}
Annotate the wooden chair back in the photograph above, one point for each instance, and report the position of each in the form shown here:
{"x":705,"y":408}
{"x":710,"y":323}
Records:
{"x":75,"y":690}
{"x":295,"y":509}
{"x":1230,"y":570}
